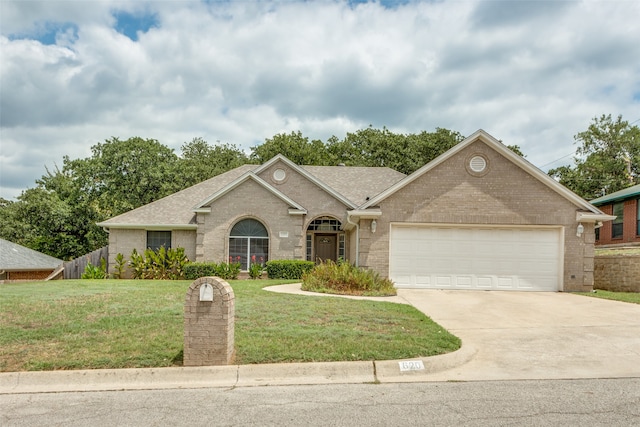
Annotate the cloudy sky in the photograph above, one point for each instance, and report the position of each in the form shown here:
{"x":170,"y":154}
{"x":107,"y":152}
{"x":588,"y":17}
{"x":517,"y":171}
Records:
{"x":531,"y":73}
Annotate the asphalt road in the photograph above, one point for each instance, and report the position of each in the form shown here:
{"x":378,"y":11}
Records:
{"x":586,"y":402}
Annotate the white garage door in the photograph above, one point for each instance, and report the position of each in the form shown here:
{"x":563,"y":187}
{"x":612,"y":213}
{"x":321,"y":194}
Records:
{"x":523,"y":259}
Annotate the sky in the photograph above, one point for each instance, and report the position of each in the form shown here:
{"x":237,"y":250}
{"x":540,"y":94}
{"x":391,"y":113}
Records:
{"x":531,"y":73}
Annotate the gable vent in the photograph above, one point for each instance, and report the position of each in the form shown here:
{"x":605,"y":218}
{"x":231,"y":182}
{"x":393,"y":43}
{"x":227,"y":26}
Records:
{"x":478,"y":164}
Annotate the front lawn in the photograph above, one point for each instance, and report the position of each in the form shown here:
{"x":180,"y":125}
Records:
{"x":86,"y":324}
{"x":633,"y":297}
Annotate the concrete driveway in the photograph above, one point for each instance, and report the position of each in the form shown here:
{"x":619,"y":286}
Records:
{"x":535,"y":335}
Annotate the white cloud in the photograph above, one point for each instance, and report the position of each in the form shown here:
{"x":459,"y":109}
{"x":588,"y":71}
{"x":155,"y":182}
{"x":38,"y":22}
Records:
{"x":530,"y":73}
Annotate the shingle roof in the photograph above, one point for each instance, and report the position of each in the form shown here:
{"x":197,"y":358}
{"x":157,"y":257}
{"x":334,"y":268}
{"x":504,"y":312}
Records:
{"x":14,"y":257}
{"x":626,"y":193}
{"x":177,"y":208}
{"x":354,"y":182}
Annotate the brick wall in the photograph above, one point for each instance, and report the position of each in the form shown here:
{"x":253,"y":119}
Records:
{"x":505,"y":195}
{"x":287,"y":233}
{"x":619,"y":273}
{"x":630,"y":228}
{"x":28,"y":275}
{"x":124,"y":241}
{"x":209,"y":326}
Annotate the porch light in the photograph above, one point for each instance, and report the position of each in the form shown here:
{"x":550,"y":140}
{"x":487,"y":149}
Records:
{"x":580,"y":230}
{"x":374,"y":226}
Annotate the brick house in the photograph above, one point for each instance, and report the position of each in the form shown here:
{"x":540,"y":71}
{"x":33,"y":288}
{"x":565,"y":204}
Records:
{"x":624,"y":230}
{"x":477,"y":217}
{"x":20,"y":263}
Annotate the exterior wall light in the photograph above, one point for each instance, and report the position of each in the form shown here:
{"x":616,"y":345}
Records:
{"x":374,"y":226}
{"x":580,"y":230}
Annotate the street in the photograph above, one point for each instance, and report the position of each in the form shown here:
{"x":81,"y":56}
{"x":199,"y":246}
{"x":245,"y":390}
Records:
{"x":610,"y":402}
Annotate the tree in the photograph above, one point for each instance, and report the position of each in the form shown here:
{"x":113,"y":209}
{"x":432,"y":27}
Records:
{"x":293,"y":146}
{"x":607,"y":160}
{"x":381,"y":147}
{"x":201,"y":161}
{"x":58,"y":217}
{"x":124,"y":175}
{"x":12,"y":226}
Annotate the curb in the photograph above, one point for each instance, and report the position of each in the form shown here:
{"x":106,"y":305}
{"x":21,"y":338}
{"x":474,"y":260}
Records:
{"x":386,"y":371}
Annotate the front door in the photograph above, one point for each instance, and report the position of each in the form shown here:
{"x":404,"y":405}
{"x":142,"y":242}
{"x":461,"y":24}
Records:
{"x":326,"y":247}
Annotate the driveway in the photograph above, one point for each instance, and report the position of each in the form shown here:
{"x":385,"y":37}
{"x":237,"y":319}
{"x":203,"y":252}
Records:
{"x":535,"y":335}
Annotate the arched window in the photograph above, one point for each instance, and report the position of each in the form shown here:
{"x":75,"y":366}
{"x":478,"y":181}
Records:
{"x":248,"y":242}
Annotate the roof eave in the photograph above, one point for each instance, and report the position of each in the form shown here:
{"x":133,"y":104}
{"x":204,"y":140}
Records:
{"x":593,"y":217}
{"x":151,"y":227}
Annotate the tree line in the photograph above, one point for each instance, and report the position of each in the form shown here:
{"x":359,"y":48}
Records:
{"x":58,"y":215}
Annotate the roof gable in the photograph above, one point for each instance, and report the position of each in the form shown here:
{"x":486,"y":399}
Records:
{"x":302,"y":171}
{"x":496,"y":145}
{"x":239,"y":181}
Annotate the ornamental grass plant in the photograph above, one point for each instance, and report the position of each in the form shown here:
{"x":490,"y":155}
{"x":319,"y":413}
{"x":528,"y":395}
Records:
{"x":344,"y":278}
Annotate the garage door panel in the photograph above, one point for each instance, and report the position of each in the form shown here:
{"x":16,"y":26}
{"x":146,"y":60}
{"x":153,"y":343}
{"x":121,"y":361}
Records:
{"x":484,"y":282}
{"x":476,"y":258}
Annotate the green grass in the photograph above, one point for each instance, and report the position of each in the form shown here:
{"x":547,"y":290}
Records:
{"x":85,"y":324}
{"x":632,"y":297}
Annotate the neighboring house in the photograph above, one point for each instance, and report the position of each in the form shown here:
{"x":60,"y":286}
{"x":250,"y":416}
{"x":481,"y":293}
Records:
{"x":625,"y":228}
{"x":477,"y":217}
{"x":20,"y":263}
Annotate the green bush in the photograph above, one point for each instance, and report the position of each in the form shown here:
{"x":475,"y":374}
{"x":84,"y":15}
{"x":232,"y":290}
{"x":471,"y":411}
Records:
{"x":95,"y":272}
{"x":288,"y":269}
{"x":160,"y":264}
{"x":345,"y":279}
{"x":119,"y":267}
{"x":226,"y":271}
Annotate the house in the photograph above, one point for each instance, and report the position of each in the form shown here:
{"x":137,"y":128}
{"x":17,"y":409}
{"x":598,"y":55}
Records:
{"x":624,"y":230}
{"x":477,"y":217}
{"x":20,"y":263}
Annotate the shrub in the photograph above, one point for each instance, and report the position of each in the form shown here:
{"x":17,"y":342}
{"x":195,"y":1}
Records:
{"x":160,"y":264}
{"x":256,"y":267}
{"x":95,"y":272}
{"x":288,"y":269}
{"x":194,"y":270}
{"x":345,"y":279}
{"x":120,"y":266}
{"x":226,"y":271}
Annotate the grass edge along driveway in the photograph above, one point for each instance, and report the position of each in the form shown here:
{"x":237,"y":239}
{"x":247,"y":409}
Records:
{"x":93,"y":324}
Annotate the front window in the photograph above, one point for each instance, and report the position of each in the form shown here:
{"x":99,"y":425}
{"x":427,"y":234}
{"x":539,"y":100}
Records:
{"x":618,"y":223}
{"x":157,"y":239}
{"x":248,"y":242}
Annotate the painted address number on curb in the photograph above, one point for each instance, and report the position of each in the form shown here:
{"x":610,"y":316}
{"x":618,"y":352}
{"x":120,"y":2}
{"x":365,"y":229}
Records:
{"x":411,"y":365}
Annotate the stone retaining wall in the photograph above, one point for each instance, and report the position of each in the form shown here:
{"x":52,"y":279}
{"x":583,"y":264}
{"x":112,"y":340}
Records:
{"x":618,"y":273}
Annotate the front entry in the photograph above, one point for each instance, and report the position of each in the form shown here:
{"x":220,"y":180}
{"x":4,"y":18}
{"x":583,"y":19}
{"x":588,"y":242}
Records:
{"x":326,"y":247}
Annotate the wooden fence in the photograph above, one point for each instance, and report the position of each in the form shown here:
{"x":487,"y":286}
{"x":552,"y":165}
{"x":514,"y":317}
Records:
{"x":73,"y":269}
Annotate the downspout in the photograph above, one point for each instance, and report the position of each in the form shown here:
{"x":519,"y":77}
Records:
{"x":357,"y":225}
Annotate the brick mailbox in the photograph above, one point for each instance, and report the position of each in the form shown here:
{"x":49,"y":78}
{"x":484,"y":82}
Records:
{"x":209,"y":311}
